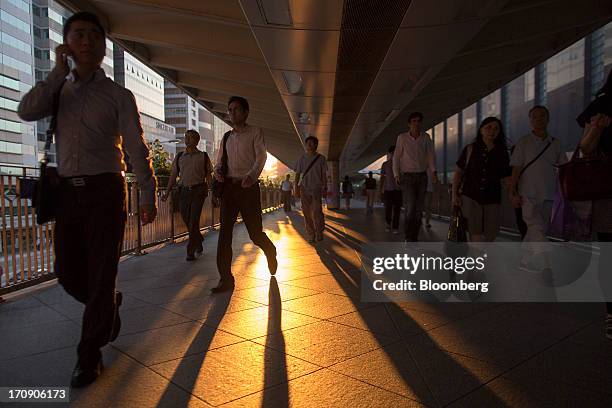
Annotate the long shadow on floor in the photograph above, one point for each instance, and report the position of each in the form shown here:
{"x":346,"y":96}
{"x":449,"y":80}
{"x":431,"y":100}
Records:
{"x":346,"y":275}
{"x":187,"y":372}
{"x":275,"y":360}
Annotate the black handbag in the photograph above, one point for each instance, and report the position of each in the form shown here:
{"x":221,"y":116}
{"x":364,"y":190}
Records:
{"x":457,"y":231}
{"x":45,"y":193}
{"x":218,"y":186}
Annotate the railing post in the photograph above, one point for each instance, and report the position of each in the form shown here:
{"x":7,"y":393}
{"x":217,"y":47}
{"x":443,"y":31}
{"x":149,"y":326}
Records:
{"x":138,"y":251}
{"x":172,"y":204}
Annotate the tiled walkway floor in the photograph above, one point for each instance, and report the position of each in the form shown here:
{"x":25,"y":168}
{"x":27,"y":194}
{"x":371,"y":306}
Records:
{"x":304,"y":339}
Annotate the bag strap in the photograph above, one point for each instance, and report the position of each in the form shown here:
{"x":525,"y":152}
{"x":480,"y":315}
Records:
{"x":224,"y":158}
{"x":470,"y":150}
{"x":310,"y":166}
{"x":536,"y":158}
{"x":53,"y":124}
{"x":178,"y":166}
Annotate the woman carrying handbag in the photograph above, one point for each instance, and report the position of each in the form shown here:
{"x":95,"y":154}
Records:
{"x":596,"y":142}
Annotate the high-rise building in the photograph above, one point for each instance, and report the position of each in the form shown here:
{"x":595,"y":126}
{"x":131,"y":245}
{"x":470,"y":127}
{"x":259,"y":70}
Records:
{"x":148,"y":89}
{"x":17,"y":138}
{"x":181,"y":112}
{"x":48,"y":25}
{"x":184,"y":113}
{"x":205,"y":128}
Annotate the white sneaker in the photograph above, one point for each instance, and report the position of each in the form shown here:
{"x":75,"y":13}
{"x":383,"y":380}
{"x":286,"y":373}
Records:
{"x":387,"y":228}
{"x":396,"y":231}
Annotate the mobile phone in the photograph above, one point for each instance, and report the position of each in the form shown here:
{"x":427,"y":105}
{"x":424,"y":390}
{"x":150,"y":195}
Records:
{"x":70,"y":62}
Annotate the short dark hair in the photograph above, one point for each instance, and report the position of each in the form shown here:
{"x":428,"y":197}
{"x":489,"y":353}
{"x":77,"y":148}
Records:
{"x":312,"y":138}
{"x":83,"y":16}
{"x":542,"y":107}
{"x":391,"y":149}
{"x":193,"y":132}
{"x":415,"y":115}
{"x":242,"y":101}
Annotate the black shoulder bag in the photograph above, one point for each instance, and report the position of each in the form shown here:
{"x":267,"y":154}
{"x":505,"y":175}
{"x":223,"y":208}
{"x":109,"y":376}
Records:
{"x":219,"y":186}
{"x":45,"y":193}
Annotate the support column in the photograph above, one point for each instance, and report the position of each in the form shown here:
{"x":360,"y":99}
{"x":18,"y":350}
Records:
{"x":541,"y":96}
{"x":333,"y":194}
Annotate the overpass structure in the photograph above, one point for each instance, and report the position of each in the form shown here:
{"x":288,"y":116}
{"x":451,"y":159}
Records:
{"x":346,"y":71}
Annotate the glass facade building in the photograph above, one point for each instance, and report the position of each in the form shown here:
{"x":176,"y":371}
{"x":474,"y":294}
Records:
{"x":146,"y":85}
{"x":17,"y":138}
{"x":565,"y":84}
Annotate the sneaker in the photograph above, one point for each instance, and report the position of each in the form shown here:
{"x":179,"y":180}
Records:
{"x":609,"y":326}
{"x":395,"y":231}
{"x":387,"y":228}
{"x":190,"y":257}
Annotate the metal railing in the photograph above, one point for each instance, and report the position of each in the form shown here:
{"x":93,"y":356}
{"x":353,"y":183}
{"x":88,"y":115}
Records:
{"x":26,"y":249}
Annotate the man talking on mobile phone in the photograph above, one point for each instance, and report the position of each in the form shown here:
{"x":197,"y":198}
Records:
{"x":97,"y":120}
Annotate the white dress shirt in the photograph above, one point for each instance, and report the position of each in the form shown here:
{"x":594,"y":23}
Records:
{"x":246,"y":153}
{"x":413,"y":155}
{"x":96,"y":120}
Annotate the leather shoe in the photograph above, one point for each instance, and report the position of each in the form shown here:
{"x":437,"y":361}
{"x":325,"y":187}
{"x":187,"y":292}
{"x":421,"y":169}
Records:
{"x":223,"y":286}
{"x":82,"y":376}
{"x":117,"y":326}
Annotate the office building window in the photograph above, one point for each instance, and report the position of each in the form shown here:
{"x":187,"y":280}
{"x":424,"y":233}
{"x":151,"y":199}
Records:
{"x":8,"y":104}
{"x":16,"y":43}
{"x":20,"y":4}
{"x":58,"y":38}
{"x":452,"y":142}
{"x":14,"y":21}
{"x":54,"y":15}
{"x":193,"y":122}
{"x":18,"y":65}
{"x":10,"y":126}
{"x":9,"y":147}
{"x":9,"y":83}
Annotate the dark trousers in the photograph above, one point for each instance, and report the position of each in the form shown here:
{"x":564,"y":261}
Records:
{"x":286,"y":200}
{"x":414,"y":186}
{"x":191,"y":202}
{"x":88,"y":236}
{"x":393,"y":207}
{"x":605,"y":237}
{"x":247,"y":202}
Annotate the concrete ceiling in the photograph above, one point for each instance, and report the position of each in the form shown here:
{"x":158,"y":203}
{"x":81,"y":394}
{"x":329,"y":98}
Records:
{"x":346,"y":71}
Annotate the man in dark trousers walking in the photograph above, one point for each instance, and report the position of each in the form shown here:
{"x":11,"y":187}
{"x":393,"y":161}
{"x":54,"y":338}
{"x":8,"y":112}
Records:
{"x":96,"y":120}
{"x":193,"y":167}
{"x":244,"y":158}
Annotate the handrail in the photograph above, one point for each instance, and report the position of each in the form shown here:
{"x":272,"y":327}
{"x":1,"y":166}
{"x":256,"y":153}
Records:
{"x":26,"y":249}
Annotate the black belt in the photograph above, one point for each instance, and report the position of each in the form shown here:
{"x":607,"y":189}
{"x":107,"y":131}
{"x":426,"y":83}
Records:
{"x":90,"y":181}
